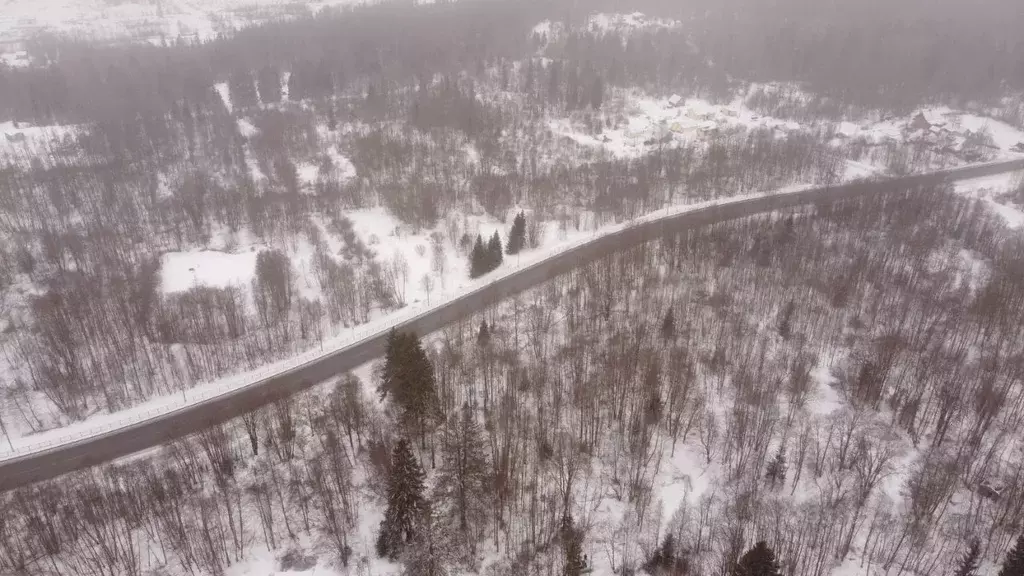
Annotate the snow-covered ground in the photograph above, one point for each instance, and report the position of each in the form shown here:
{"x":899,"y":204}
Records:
{"x":649,"y":122}
{"x":992,"y":191}
{"x":155,"y":21}
{"x":186,"y":269}
{"x":607,"y":23}
{"x":645,"y":123}
{"x":22,"y":137}
{"x":230,"y":260}
{"x":181,"y":271}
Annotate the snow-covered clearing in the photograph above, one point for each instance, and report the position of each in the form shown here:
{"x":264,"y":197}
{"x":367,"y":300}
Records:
{"x":992,"y":190}
{"x":644,"y":123}
{"x":21,"y":138}
{"x":17,"y":58}
{"x":647,"y":123}
{"x":182,"y":271}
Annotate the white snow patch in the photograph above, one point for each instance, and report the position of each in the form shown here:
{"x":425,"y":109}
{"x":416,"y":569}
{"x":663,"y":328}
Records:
{"x":628,"y":23}
{"x":990,"y":188}
{"x":27,"y":135}
{"x":16,"y":59}
{"x":181,"y":271}
{"x":1004,"y":135}
{"x":225,"y":95}
{"x":246,"y":128}
{"x":826,"y":399}
{"x":651,"y":122}
{"x":856,"y":170}
{"x":307,"y":175}
{"x":156,"y":23}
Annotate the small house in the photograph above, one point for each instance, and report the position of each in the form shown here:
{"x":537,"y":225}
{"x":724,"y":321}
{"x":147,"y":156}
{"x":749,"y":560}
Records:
{"x":675,"y":101}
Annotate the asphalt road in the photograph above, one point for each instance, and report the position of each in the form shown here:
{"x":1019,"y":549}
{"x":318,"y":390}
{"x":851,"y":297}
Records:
{"x":76,"y":455}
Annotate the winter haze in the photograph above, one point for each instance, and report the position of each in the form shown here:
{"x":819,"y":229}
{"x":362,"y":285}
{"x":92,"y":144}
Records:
{"x":511,"y":288}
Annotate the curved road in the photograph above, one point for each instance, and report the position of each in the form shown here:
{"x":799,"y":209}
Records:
{"x":75,"y":455}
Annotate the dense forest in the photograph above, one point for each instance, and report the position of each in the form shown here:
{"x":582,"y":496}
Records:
{"x":838,"y":380}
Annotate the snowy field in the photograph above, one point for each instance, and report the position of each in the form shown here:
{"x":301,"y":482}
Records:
{"x":146,"y":20}
{"x":182,"y":271}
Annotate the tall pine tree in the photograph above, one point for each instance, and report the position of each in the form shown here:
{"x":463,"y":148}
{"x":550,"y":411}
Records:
{"x":478,"y":259}
{"x":494,"y":251}
{"x":758,"y":561}
{"x":406,"y":504}
{"x":517,"y":235}
{"x":407,"y":375}
{"x":970,"y":561}
{"x":1013,"y":565}
{"x":483,"y":337}
{"x":668,"y":326}
{"x":462,"y":491}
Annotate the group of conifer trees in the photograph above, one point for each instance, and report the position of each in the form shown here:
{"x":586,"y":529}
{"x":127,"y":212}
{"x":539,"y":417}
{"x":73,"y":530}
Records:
{"x":428,"y":531}
{"x":485,"y":258}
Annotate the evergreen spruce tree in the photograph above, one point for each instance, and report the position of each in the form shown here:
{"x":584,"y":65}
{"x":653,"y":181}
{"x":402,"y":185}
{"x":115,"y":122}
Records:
{"x":406,"y":504}
{"x":478,"y":259}
{"x":483,"y":337}
{"x":462,"y":490}
{"x":407,"y":375}
{"x":572,"y":543}
{"x":786,"y":320}
{"x":668,"y":326}
{"x":1013,"y":565}
{"x":970,"y":561}
{"x":517,"y":235}
{"x":494,"y":252}
{"x":758,"y":561}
